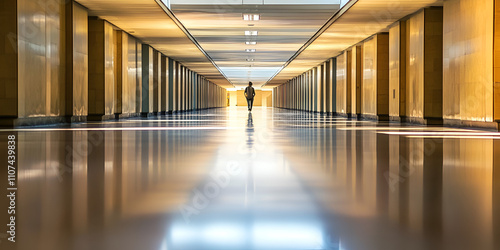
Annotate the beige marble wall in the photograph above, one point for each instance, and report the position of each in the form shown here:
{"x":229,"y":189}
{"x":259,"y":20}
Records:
{"x":369,"y":84}
{"x":433,"y":68}
{"x":375,"y":85}
{"x":496,"y":71}
{"x":118,"y":68}
{"x":394,"y":66}
{"x":383,"y":75}
{"x":8,"y":59}
{"x":170,"y":83}
{"x":356,"y":75}
{"x":76,"y":60}
{"x":355,"y":83}
{"x":101,"y":68}
{"x":138,"y":76}
{"x":333,"y":85}
{"x":348,"y":81}
{"x":468,"y":60}
{"x":326,"y":91}
{"x":163,"y":83}
{"x":109,"y":69}
{"x":40,"y":55}
{"x":341,"y":93}
{"x":415,"y":66}
{"x":397,"y":69}
{"x":424,"y":66}
{"x":129,"y":74}
{"x":156,"y":80}
{"x":147,"y":79}
{"x":319,"y":88}
{"x":80,"y":60}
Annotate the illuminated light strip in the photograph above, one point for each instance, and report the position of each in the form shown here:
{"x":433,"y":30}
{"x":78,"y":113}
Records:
{"x":117,"y":129}
{"x":133,"y":121}
{"x":454,"y":137}
{"x":405,"y":128}
{"x":441,"y":133}
{"x":321,"y":121}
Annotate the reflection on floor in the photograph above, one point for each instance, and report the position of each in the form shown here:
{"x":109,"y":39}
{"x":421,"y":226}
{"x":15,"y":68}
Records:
{"x":270,"y":179}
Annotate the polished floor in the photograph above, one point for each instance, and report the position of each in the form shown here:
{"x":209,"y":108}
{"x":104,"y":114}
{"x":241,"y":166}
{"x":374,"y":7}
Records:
{"x":271,"y":179}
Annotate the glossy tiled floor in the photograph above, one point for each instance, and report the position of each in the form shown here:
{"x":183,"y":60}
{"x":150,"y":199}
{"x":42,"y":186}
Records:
{"x":274,"y":179}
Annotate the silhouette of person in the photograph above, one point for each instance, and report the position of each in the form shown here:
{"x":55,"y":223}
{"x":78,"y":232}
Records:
{"x":250,"y":94}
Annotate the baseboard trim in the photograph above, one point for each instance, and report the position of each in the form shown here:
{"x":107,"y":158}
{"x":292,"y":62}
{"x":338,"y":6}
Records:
{"x":100,"y":118}
{"x":13,"y":122}
{"x":472,"y":124}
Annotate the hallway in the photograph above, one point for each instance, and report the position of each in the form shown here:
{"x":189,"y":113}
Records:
{"x":273,"y":179}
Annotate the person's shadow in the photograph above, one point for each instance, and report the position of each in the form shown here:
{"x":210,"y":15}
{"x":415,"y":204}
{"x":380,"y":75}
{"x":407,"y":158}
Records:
{"x":250,"y":131}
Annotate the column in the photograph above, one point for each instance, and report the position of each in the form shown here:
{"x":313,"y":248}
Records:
{"x":164,"y":84}
{"x":171,"y":85}
{"x":101,"y":75}
{"x":77,"y":56}
{"x":471,"y":81}
{"x":425,"y":67}
{"x":348,"y":79}
{"x":356,"y":80}
{"x":327,"y":85}
{"x":375,"y":85}
{"x":341,"y":93}
{"x":333,"y":87}
{"x":118,"y":68}
{"x":147,"y":80}
{"x":397,"y":71}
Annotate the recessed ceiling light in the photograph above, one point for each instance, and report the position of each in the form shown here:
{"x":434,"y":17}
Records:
{"x":251,"y":17}
{"x":250,"y":50}
{"x":250,"y":59}
{"x":251,"y":33}
{"x":250,"y":43}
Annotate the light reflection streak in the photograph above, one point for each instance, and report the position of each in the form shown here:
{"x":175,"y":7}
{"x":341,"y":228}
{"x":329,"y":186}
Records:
{"x":407,"y":128}
{"x":444,"y":133}
{"x":456,"y":137}
{"x":118,"y":129}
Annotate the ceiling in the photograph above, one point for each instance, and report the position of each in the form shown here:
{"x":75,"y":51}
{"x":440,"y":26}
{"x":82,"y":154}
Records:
{"x":208,"y":36}
{"x":283,"y":28}
{"x":358,"y":20}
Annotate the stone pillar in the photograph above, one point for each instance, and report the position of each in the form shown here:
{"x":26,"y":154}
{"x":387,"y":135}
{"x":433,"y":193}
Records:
{"x":333,"y":87}
{"x":397,"y":71}
{"x":147,"y":82}
{"x":171,"y":85}
{"x":356,"y":79}
{"x":138,"y":79}
{"x":425,"y":67}
{"x":348,"y":80}
{"x":375,"y":85}
{"x":9,"y":64}
{"x":468,"y":81}
{"x":118,"y":71}
{"x":77,"y":68}
{"x":156,"y":82}
{"x":496,"y":65}
{"x":164,"y":76}
{"x":341,"y":93}
{"x":101,"y":71}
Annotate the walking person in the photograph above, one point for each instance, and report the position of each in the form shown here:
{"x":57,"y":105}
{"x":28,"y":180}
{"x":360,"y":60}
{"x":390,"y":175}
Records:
{"x":250,"y":94}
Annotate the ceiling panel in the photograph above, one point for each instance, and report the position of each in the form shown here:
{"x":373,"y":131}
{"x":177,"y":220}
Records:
{"x":282,"y":30}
